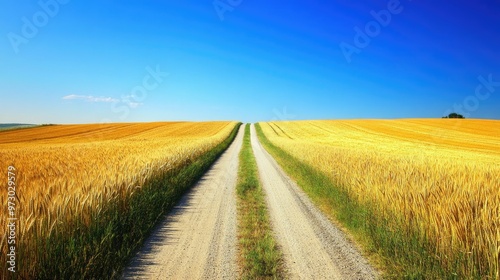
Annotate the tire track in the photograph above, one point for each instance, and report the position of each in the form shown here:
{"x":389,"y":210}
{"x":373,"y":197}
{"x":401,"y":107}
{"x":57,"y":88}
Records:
{"x":312,"y":246}
{"x":197,"y":239}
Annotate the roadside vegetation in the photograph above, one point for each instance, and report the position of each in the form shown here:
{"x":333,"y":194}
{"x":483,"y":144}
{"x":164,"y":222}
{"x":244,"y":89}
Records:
{"x":259,"y":255}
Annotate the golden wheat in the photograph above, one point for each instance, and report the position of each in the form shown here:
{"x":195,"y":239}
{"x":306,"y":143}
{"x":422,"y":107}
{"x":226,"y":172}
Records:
{"x":441,"y":178}
{"x":72,"y":171}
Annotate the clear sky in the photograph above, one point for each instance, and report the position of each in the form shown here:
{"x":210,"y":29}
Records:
{"x":72,"y":61}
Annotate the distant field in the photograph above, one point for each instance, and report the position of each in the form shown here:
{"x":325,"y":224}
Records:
{"x":68,"y":175}
{"x":6,"y":126}
{"x":434,"y":180}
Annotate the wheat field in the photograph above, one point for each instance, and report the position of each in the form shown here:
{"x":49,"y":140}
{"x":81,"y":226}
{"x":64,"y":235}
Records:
{"x":440,"y":178}
{"x":72,"y":171}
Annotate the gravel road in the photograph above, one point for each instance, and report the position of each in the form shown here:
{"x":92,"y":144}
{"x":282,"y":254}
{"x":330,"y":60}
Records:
{"x":198,"y":238}
{"x":313,"y":248}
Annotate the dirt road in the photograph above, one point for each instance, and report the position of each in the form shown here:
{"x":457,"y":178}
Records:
{"x":197,"y":240}
{"x":312,"y":247}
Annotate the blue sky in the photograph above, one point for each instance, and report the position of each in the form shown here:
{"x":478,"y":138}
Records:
{"x":71,"y":61}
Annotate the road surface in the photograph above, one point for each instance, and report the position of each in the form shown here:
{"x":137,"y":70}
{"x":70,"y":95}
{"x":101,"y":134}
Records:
{"x":313,"y":248}
{"x":198,"y":238}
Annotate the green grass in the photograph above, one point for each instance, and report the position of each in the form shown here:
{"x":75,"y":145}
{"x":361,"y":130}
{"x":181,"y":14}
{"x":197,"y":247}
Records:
{"x":398,"y":253}
{"x":102,"y":249}
{"x":258,"y":252}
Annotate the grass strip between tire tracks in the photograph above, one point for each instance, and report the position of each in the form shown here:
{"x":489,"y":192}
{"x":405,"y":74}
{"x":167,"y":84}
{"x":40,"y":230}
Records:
{"x":259,"y":255}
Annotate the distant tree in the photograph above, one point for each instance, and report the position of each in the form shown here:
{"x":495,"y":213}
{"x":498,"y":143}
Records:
{"x":454,"y":116}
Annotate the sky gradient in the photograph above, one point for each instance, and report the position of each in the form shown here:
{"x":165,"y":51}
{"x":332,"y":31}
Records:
{"x":126,"y":61}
